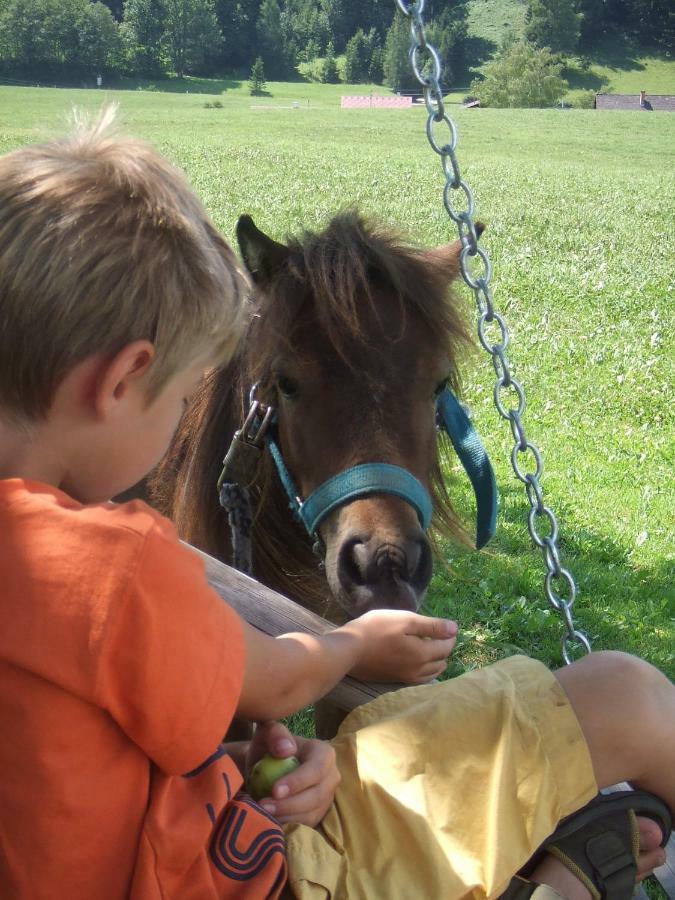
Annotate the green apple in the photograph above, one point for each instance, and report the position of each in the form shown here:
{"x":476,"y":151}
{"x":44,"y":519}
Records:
{"x":266,"y":772}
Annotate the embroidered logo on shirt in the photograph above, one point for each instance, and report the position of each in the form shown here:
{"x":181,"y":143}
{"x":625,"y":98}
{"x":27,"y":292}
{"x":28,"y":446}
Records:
{"x":237,"y":855}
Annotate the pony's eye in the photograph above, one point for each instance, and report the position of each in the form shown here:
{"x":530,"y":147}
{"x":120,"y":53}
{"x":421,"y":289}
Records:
{"x":438,"y":390}
{"x":287,"y":387}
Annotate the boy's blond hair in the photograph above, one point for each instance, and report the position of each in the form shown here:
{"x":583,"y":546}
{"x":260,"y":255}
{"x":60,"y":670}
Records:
{"x":102,"y":242}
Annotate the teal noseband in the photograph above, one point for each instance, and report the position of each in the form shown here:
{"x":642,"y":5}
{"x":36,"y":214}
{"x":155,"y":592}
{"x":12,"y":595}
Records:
{"x":383,"y":478}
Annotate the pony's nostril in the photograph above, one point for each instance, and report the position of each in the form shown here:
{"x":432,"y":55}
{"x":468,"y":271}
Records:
{"x":414,"y":552}
{"x":351,"y":559}
{"x":422,"y":569}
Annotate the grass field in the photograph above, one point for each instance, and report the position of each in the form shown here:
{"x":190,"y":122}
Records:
{"x":579,"y":207}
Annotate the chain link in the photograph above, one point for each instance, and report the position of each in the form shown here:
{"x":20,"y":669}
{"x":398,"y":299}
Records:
{"x":558,"y":582}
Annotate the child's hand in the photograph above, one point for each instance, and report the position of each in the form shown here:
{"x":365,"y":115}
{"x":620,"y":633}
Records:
{"x":305,"y":794}
{"x":394,"y":649}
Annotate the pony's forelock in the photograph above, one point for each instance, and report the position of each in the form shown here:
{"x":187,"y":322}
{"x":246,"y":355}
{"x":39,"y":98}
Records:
{"x":336,"y":278}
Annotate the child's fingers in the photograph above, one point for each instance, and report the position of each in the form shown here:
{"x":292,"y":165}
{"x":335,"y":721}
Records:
{"x":430,"y":627}
{"x":280,"y":741}
{"x":309,"y":805}
{"x":435,"y":651}
{"x":274,"y":738}
{"x":428,"y":673}
{"x":297,"y":807}
{"x":314,"y":769}
{"x":427,"y":654}
{"x":305,"y":794}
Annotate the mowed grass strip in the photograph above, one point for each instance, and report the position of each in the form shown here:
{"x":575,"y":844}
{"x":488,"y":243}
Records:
{"x":579,"y":212}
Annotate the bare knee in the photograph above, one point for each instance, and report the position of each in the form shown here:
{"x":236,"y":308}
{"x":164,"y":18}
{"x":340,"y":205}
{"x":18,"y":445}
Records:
{"x":612,"y":672}
{"x":624,"y":705}
{"x":622,"y":673}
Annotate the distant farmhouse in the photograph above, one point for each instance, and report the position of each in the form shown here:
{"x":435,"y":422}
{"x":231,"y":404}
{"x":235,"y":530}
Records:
{"x":655,"y":102}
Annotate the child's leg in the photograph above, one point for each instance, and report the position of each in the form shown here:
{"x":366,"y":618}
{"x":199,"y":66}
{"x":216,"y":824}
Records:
{"x":447,"y":789}
{"x":626,"y":709}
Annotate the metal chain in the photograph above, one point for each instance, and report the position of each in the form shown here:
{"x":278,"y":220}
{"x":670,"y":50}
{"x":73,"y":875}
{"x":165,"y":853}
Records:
{"x":476,"y":268}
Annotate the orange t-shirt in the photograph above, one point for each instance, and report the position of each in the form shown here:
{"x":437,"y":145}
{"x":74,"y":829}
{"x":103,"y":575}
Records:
{"x":120,"y":670}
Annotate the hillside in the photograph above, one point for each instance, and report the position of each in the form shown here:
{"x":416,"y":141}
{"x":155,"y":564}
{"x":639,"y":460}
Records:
{"x":491,"y":20}
{"x":612,"y":65}
{"x":611,"y":68}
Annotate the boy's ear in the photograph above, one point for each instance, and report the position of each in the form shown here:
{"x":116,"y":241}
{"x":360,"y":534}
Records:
{"x":119,"y":375}
{"x":262,"y":255}
{"x":447,"y":256}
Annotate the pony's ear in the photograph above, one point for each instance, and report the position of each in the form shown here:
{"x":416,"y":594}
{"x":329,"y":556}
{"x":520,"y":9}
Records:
{"x":447,"y":256}
{"x":262,"y":256}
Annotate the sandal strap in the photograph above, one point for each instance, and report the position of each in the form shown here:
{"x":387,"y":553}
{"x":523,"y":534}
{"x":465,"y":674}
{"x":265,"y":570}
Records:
{"x":600,"y":843}
{"x":604,"y":857}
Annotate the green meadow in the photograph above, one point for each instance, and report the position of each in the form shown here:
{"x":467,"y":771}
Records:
{"x":579,"y":207}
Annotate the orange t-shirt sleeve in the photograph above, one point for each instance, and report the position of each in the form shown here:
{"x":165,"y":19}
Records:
{"x":172,"y":661}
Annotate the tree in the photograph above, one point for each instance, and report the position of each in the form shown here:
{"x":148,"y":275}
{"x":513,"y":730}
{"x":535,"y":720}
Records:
{"x":100,"y":42}
{"x":116,"y":7}
{"x":554,"y":24}
{"x":345,"y":17}
{"x":256,"y":80}
{"x":449,"y":33}
{"x":652,"y":21}
{"x":357,"y":59}
{"x":25,"y":27}
{"x":329,"y":72}
{"x":271,"y":44}
{"x":375,"y":73}
{"x":305,"y":28}
{"x":142,"y":32}
{"x":342,"y":18}
{"x":395,"y":61}
{"x":236,"y":20}
{"x":521,"y":75}
{"x":363,"y":58}
{"x":310,"y":52}
{"x":593,"y":18}
{"x":63,"y":39}
{"x":191,"y":34}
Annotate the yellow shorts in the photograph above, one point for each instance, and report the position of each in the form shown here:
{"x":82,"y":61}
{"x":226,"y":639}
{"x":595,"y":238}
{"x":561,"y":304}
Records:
{"x":447,"y":789}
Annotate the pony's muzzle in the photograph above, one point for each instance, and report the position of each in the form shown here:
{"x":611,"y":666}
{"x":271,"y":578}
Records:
{"x":373,"y":573}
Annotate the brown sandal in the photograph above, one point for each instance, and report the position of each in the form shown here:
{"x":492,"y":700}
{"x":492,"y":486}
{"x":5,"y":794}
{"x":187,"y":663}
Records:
{"x":600,"y":844}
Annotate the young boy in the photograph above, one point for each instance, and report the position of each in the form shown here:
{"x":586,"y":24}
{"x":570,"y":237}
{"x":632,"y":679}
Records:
{"x":120,"y":669}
